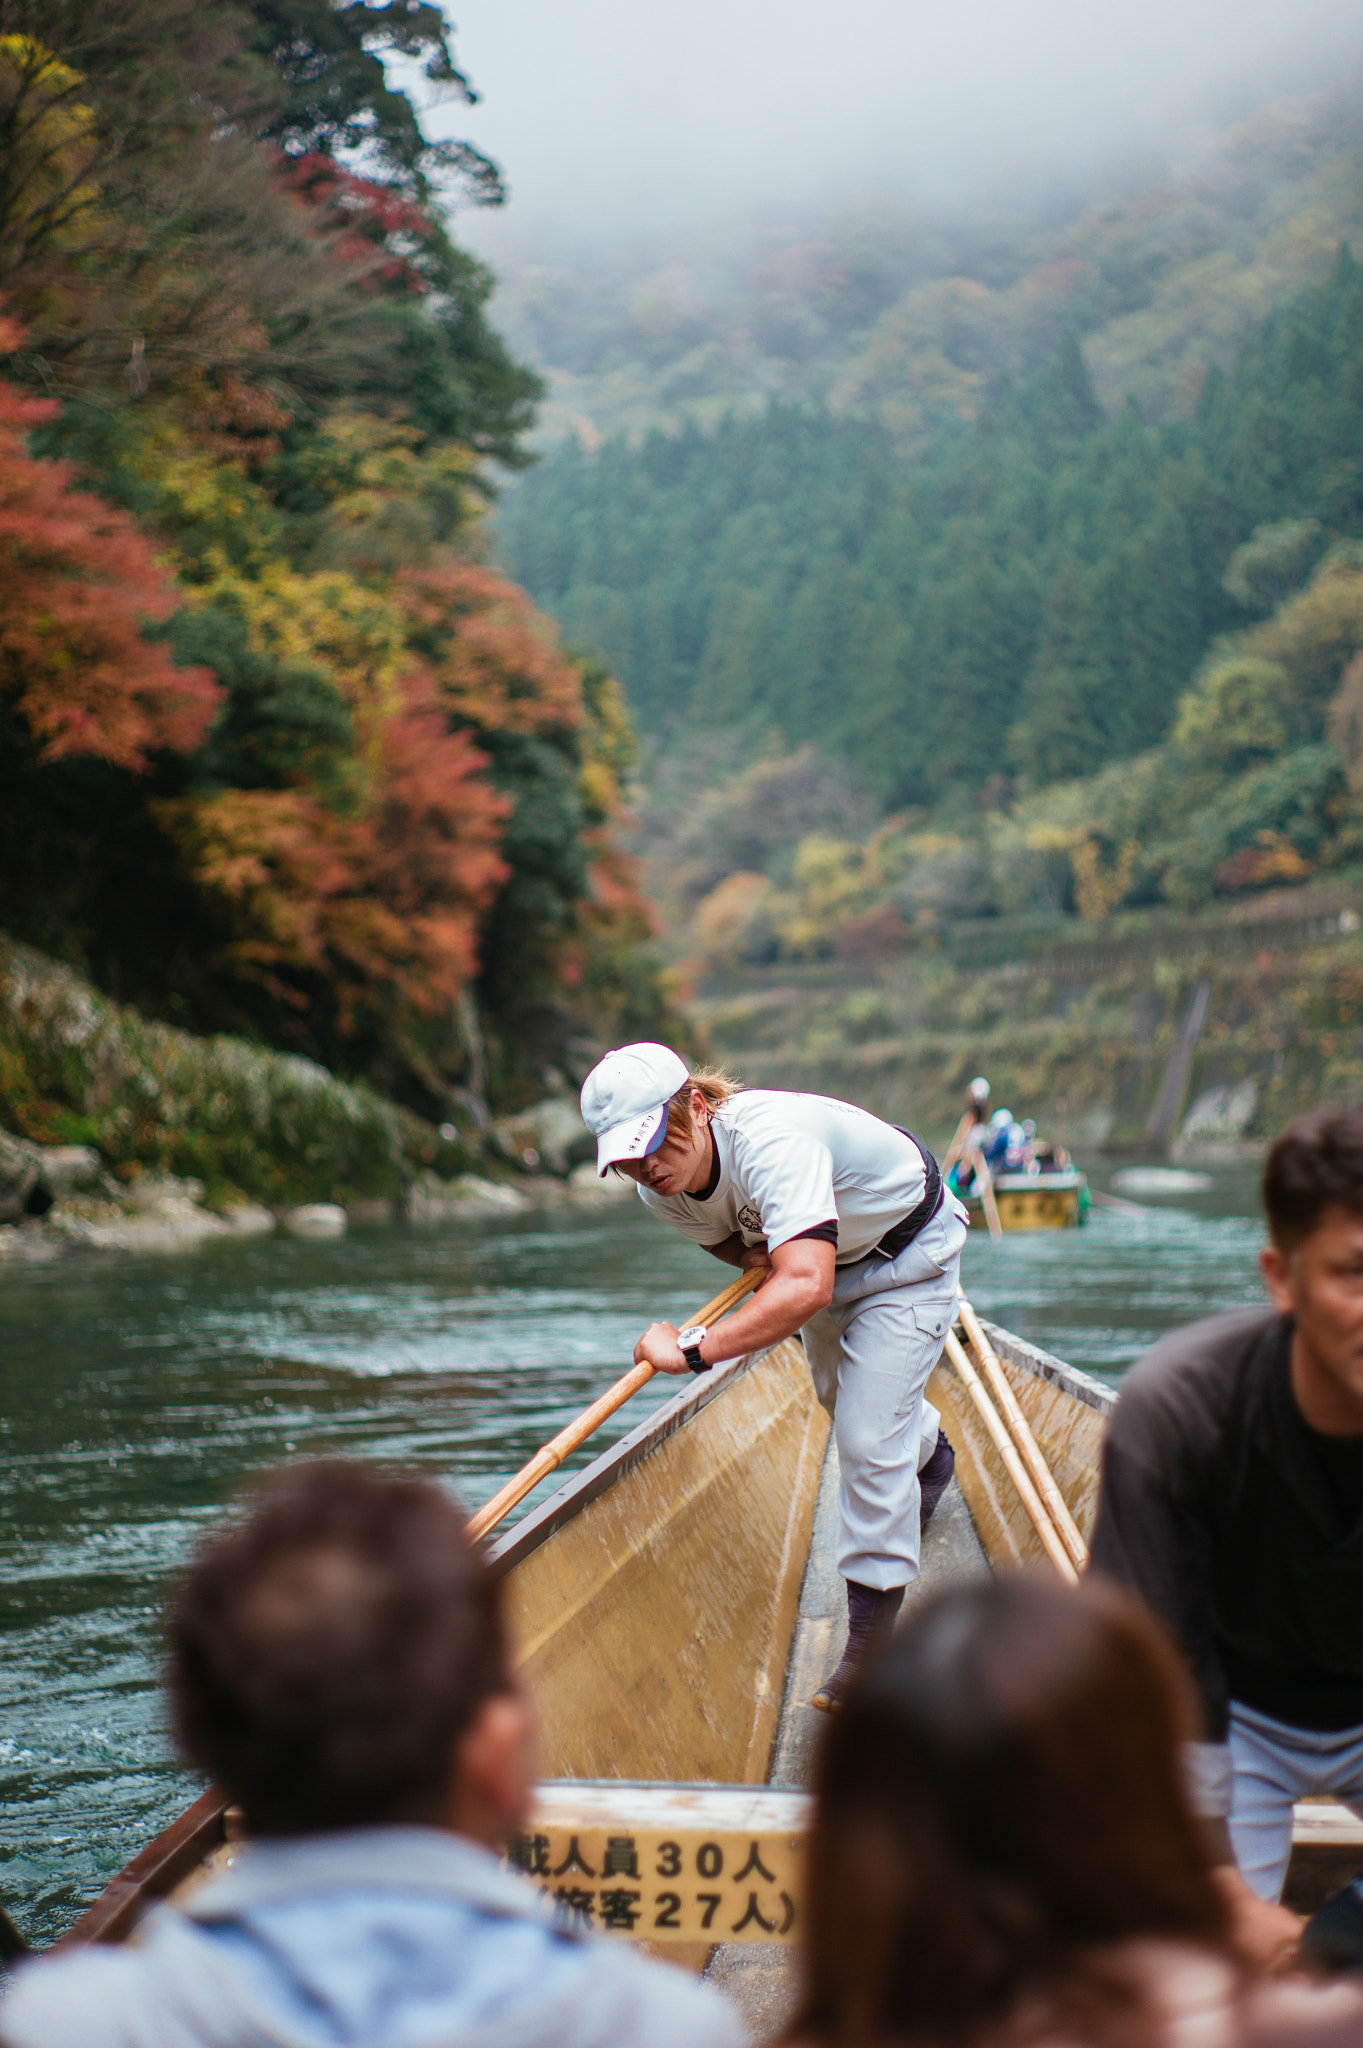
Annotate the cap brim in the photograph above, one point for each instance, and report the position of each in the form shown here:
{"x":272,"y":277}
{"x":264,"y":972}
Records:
{"x":634,"y":1139}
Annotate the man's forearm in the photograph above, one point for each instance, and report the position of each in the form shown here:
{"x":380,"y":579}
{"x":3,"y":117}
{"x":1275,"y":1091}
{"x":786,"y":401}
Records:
{"x":784,"y":1305}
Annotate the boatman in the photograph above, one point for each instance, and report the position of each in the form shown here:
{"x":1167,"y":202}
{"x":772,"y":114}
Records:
{"x":861,"y":1245}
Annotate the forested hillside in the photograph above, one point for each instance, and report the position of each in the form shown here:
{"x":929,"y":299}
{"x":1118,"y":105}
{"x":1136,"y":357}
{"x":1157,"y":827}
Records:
{"x":1025,"y":598}
{"x":279,"y":752}
{"x":916,"y":310}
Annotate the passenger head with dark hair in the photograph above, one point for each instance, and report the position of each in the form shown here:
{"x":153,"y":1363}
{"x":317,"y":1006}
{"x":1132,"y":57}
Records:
{"x":332,"y":1650}
{"x":1003,"y":1849}
{"x":338,"y":1664}
{"x":1313,"y":1264}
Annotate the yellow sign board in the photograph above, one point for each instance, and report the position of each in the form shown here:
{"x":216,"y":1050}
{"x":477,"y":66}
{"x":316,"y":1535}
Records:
{"x":681,"y":1882}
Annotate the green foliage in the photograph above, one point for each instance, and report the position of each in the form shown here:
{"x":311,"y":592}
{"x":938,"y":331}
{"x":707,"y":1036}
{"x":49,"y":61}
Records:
{"x":1238,"y":715}
{"x":1280,"y":814}
{"x":76,"y":1068}
{"x":1273,"y":562}
{"x":1028,"y":596}
{"x":387,"y":831}
{"x":284,"y":722}
{"x":333,"y":92}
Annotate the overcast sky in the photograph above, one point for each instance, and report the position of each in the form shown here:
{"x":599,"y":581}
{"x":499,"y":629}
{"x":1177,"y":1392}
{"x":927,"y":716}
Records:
{"x":607,"y":115}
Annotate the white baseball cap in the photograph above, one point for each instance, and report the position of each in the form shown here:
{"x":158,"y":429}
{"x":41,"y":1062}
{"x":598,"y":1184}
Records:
{"x":625,"y":1098}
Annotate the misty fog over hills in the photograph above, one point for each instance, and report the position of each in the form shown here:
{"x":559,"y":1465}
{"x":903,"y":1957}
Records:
{"x":918,"y":314}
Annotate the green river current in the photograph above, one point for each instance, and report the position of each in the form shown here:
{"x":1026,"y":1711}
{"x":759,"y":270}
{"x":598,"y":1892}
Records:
{"x":138,"y":1392}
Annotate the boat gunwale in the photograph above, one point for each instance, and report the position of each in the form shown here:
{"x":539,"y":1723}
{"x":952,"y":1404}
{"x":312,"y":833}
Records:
{"x":1065,"y":1178}
{"x":566,"y":1502}
{"x":1094,"y":1393}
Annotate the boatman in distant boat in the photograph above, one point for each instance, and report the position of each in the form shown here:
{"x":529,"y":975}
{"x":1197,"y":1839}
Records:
{"x":861,"y":1245}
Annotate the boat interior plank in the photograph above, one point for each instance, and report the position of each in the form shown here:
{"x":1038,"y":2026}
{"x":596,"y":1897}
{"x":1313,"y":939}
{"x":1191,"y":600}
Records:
{"x":654,"y":1632}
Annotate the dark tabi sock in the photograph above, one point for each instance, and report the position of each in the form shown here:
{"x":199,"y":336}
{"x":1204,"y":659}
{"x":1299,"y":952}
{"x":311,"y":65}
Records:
{"x":935,"y":1477}
{"x":870,"y":1617}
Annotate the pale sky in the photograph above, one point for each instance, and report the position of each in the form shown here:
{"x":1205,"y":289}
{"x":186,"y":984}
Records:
{"x":611,"y":115}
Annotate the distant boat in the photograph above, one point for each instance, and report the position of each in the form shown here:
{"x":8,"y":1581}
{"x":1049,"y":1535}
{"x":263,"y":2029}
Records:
{"x":1035,"y":1201}
{"x":674,"y":1606}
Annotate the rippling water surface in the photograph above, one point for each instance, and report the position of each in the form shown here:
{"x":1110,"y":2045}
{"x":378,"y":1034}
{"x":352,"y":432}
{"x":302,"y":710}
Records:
{"x":137,"y":1394}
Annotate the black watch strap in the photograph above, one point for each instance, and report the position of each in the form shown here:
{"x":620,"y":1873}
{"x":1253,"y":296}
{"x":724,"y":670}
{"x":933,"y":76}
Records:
{"x":691,"y":1353}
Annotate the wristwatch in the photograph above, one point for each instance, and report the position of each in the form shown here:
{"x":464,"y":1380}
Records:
{"x":689,"y":1340}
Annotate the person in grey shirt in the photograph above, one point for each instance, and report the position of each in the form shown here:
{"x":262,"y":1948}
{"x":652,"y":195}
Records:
{"x":338,"y":1665}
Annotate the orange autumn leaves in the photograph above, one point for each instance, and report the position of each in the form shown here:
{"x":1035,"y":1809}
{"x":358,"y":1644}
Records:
{"x":382,"y":904}
{"x":376,"y":891}
{"x":77,"y":583}
{"x":387,"y":900}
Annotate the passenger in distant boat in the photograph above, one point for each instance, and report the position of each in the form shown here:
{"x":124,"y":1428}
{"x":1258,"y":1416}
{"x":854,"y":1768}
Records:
{"x":995,"y":1146}
{"x":338,"y":1666}
{"x":1004,"y":1854}
{"x":1232,"y":1502}
{"x":861,"y":1244}
{"x":1017,"y":1151}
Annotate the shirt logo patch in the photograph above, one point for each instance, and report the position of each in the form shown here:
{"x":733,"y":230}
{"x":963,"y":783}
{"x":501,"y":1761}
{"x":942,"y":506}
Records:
{"x":748,"y":1218}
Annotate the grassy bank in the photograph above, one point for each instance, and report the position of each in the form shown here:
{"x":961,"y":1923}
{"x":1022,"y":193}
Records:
{"x":79,"y":1069}
{"x":1076,"y":1025}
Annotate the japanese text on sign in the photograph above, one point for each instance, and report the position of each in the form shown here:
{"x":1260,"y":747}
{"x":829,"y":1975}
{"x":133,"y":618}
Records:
{"x":653,"y":1886}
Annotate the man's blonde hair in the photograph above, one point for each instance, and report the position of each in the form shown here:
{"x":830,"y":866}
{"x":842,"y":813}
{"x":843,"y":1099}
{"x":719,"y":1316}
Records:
{"x":714,"y":1084}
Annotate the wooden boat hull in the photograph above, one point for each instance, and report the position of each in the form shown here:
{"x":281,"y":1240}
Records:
{"x":654,"y":1630}
{"x":660,"y":1605}
{"x":1047,"y":1201}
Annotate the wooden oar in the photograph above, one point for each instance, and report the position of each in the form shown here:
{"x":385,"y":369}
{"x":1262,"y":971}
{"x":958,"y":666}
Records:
{"x":1026,"y":1442}
{"x":557,"y":1449}
{"x":1017,"y":1471}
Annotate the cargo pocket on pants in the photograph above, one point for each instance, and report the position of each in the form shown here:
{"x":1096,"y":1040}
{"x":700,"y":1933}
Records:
{"x":932,"y":1320}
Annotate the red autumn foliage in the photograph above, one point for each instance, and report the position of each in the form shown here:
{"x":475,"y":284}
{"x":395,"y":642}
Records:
{"x":382,"y":905}
{"x":497,"y":660}
{"x":372,"y":227}
{"x":77,"y":583}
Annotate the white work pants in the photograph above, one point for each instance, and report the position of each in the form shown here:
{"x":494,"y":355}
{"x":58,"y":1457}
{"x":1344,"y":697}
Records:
{"x":1272,"y":1766}
{"x":870,"y":1353}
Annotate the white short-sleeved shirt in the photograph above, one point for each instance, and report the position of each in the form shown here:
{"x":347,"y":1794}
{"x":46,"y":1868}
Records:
{"x":788,"y":1163}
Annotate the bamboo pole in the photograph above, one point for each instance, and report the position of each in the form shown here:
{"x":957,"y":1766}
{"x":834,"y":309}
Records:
{"x":1017,"y":1471}
{"x":984,"y":1180}
{"x":956,"y":1148}
{"x":557,"y":1449}
{"x":1032,"y":1454}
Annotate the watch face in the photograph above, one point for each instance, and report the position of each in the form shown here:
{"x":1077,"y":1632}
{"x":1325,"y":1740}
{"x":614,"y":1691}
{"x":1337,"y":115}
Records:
{"x":692,"y":1334}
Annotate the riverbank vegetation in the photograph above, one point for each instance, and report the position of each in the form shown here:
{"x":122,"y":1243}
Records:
{"x":1076,"y":1022}
{"x":1056,"y":661}
{"x":281,"y":755}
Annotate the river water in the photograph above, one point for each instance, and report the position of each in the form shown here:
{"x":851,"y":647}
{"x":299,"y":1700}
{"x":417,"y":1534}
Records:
{"x":137,"y":1393}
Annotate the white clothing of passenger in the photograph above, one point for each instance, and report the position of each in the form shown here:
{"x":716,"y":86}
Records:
{"x":1272,"y":1766}
{"x":788,"y":1163}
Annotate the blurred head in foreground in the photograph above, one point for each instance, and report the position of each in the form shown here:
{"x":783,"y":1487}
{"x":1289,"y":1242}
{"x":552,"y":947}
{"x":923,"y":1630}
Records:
{"x":999,"y":1806}
{"x":336,"y":1659}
